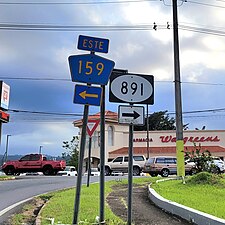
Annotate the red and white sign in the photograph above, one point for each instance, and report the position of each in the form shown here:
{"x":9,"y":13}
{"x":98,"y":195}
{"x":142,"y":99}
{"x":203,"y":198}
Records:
{"x":4,"y":117}
{"x":4,"y":92}
{"x":91,"y":126}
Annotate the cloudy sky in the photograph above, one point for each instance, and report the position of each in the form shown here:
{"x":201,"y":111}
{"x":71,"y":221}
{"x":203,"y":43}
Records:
{"x":37,"y":36}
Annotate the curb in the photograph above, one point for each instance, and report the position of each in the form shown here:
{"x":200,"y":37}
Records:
{"x":189,"y":214}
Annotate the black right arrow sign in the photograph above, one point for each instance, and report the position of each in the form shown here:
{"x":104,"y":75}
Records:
{"x":135,"y":115}
{"x":131,"y":115}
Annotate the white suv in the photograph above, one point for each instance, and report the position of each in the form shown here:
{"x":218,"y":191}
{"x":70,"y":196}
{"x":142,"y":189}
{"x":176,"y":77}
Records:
{"x":120,"y":164}
{"x":218,"y":164}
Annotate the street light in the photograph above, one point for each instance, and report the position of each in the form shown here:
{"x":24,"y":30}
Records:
{"x":7,"y":146}
{"x":40,"y":149}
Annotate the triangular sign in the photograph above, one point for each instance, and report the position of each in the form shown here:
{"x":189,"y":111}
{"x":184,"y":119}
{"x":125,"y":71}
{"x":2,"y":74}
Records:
{"x":91,"y":126}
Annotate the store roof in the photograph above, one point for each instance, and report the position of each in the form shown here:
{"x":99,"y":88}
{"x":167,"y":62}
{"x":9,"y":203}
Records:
{"x":109,"y":117}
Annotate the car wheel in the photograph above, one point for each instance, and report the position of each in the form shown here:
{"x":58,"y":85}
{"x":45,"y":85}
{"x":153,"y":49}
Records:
{"x":193,"y":171}
{"x":9,"y":170}
{"x":153,"y":174}
{"x":47,"y":170}
{"x":165,"y":173}
{"x":107,"y":171}
{"x":136,"y":171}
{"x":215,"y":170}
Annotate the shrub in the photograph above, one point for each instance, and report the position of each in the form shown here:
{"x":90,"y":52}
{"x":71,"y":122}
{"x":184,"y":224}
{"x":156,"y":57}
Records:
{"x":206,"y":178}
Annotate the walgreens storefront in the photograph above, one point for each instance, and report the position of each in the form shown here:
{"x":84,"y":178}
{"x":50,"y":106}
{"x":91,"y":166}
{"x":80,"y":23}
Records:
{"x":164,"y":142}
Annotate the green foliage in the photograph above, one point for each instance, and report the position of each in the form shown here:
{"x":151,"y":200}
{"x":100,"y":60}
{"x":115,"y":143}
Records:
{"x":206,"y":178}
{"x":72,"y":153}
{"x":202,"y":159}
{"x":158,"y":121}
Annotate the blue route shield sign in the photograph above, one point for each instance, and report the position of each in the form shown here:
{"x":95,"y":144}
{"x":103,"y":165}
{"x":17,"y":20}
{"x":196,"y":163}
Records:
{"x":90,"y":68}
{"x":93,"y":44}
{"x":87,"y":95}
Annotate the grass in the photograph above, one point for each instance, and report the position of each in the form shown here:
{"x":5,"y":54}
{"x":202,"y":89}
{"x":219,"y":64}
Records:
{"x":206,"y":196}
{"x":202,"y":192}
{"x":6,"y":177}
{"x":61,"y":205}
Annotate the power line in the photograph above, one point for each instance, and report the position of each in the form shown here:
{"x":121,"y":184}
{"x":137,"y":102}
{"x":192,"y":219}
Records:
{"x":205,"y":4}
{"x":202,"y":30}
{"x":50,"y":27}
{"x":69,"y":80}
{"x":76,"y":3}
{"x":80,"y":114}
{"x":143,"y":27}
{"x":35,"y":79}
{"x":45,"y":113}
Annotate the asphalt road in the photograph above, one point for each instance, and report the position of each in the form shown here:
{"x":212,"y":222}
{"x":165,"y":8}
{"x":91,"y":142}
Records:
{"x":25,"y":187}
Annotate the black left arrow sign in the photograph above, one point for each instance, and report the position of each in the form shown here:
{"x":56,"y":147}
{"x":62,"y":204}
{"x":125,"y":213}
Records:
{"x":135,"y":115}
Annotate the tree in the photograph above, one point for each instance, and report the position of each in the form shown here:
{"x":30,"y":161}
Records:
{"x":201,"y":159}
{"x":157,"y":121}
{"x":72,"y":147}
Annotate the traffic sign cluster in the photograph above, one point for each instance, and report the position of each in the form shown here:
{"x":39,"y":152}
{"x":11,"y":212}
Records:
{"x":133,"y":89}
{"x":90,"y":69}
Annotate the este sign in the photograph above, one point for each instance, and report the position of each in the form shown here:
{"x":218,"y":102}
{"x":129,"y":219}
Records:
{"x":90,"y":69}
{"x":93,"y":44}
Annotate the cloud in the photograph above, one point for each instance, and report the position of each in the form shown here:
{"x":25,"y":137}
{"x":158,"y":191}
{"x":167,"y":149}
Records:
{"x":44,"y":54}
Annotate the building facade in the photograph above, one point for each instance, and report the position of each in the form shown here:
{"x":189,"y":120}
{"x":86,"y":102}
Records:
{"x":160,"y":142}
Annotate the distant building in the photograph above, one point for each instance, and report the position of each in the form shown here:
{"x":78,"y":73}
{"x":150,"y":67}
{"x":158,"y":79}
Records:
{"x":160,"y":142}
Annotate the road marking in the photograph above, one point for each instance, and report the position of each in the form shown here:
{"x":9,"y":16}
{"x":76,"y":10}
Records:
{"x":13,"y":206}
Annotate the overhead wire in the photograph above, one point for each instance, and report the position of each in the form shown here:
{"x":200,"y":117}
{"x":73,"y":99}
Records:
{"x":204,"y":4}
{"x":69,"y":80}
{"x":142,"y":27}
{"x":76,"y":3}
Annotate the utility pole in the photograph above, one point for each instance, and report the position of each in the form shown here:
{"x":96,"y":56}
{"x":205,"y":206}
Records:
{"x":40,"y":149}
{"x":7,"y":146}
{"x":178,"y":101}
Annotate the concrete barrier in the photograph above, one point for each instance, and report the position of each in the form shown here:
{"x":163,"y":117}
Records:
{"x":182,"y":211}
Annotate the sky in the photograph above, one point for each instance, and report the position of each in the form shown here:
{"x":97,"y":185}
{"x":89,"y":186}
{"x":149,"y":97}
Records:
{"x":38,"y":36}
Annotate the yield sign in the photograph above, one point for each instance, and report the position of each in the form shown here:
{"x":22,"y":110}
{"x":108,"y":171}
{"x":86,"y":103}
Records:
{"x":91,"y":126}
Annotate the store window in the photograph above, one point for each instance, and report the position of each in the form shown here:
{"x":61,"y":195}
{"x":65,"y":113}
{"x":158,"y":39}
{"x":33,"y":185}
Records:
{"x":110,"y":136}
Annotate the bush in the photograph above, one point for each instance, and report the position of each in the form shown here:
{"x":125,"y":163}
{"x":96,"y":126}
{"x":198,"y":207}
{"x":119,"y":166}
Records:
{"x":206,"y":178}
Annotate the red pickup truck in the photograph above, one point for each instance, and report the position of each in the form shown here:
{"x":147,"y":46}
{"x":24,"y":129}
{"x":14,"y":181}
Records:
{"x":33,"y":163}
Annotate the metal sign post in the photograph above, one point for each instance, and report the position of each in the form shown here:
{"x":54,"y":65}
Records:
{"x":102,"y":159}
{"x":131,"y":88}
{"x":80,"y":165}
{"x":91,"y":127}
{"x":89,"y":161}
{"x":130,"y":175}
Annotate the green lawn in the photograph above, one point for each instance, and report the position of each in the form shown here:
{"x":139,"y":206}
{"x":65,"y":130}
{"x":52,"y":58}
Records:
{"x":207,"y":198}
{"x":61,"y":205}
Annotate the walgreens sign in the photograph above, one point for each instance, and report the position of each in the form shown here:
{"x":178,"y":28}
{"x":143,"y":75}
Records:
{"x":170,"y":138}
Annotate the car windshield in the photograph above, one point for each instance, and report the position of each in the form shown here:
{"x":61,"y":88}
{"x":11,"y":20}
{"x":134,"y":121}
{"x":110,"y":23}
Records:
{"x":151,"y":160}
{"x":94,"y":169}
